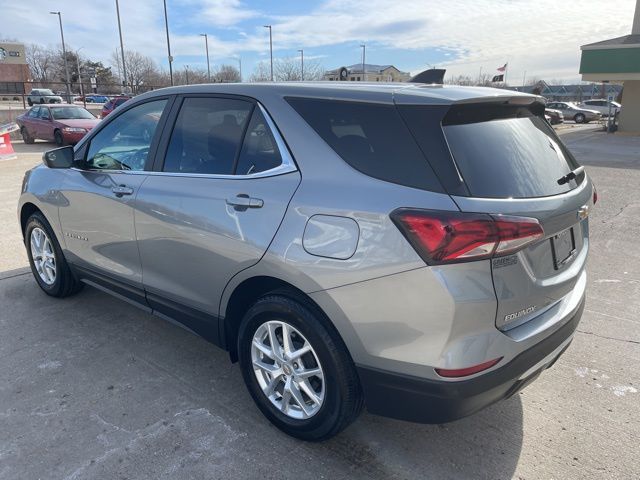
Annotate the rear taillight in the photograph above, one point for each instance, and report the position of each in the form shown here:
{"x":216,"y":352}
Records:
{"x":449,"y":237}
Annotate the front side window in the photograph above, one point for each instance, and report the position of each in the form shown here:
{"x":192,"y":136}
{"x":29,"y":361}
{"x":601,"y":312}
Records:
{"x":207,"y":136}
{"x":34,"y":112}
{"x":124,"y":143}
{"x":44,"y":113}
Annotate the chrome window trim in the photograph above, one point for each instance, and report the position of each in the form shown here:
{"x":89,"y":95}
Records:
{"x":287,"y":166}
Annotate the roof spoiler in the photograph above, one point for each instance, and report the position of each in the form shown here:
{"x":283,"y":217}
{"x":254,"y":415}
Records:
{"x":432,"y":76}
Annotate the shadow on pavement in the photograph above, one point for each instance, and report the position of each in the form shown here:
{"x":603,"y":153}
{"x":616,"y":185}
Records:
{"x":92,"y":387}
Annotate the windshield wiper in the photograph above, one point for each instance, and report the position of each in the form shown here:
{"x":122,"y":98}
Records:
{"x":570,"y":176}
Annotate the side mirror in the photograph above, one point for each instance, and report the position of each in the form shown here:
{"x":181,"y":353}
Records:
{"x":59,"y":157}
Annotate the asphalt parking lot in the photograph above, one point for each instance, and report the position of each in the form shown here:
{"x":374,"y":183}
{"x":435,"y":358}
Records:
{"x":91,"y":387}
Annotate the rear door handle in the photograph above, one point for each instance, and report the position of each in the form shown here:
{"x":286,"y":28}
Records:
{"x":243,"y":201}
{"x":121,"y":190}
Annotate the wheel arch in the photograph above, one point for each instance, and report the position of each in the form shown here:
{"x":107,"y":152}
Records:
{"x":26,"y":211}
{"x":245,"y":294}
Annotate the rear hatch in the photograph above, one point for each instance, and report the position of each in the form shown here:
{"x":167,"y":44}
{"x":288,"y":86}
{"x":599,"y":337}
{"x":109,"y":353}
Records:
{"x":505,"y":160}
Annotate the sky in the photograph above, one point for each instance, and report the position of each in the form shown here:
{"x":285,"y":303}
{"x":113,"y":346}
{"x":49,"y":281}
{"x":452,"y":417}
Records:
{"x":537,"y":38}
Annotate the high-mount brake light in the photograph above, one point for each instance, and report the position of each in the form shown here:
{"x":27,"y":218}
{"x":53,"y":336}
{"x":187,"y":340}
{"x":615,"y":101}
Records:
{"x":449,"y":237}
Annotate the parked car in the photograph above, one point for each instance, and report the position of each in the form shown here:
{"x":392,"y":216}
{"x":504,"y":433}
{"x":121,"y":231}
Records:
{"x":42,"y":95}
{"x":572,"y":111}
{"x":269,"y":219}
{"x":602,"y":105}
{"x":555,"y":116}
{"x":63,"y":124}
{"x":97,"y":99}
{"x":112,"y":104}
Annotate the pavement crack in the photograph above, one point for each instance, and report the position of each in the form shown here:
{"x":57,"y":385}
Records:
{"x":609,"y":338}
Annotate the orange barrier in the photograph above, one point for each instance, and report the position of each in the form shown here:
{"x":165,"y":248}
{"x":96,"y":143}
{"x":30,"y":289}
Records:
{"x":6,"y":149}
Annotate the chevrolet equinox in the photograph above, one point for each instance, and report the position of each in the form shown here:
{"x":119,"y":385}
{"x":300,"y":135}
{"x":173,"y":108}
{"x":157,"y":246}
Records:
{"x":419,"y":250}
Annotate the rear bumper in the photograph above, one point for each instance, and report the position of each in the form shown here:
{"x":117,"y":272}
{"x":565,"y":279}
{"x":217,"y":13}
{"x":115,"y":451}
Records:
{"x":431,"y":401}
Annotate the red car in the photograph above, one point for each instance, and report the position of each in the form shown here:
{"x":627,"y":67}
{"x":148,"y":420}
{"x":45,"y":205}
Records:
{"x":112,"y":104}
{"x":62,"y":123}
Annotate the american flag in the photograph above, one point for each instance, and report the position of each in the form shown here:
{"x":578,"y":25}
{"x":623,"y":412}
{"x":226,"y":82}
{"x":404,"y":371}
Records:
{"x":503,"y":68}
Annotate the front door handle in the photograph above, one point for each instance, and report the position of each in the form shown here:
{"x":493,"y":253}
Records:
{"x":121,"y":190}
{"x":243,"y":201}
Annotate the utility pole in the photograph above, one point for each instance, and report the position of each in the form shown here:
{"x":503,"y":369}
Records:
{"x":524,"y":77}
{"x":169,"y":57}
{"x":364,"y":51}
{"x":301,"y":65}
{"x":186,"y":73}
{"x":124,"y":68}
{"x":240,"y":67}
{"x":84,"y":100}
{"x":206,"y":46}
{"x":64,"y":54}
{"x":270,"y":48}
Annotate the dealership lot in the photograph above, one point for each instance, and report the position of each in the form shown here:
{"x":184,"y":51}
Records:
{"x":94,"y":388}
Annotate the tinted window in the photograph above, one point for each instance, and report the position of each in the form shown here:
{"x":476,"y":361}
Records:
{"x":510,"y":157}
{"x":123,"y":144}
{"x":259,"y":150}
{"x":370,"y":137}
{"x":207,"y":136}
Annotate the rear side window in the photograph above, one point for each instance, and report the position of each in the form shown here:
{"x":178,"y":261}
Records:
{"x":207,"y":136}
{"x":370,"y":137}
{"x":259,"y":150}
{"x":513,"y":154}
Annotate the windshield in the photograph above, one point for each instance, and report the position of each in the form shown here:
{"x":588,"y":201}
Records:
{"x":71,"y":113}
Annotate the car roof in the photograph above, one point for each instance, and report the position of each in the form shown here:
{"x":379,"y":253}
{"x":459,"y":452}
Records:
{"x":408,"y":93}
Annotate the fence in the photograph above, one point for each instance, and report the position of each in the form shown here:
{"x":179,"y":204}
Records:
{"x":19,"y":91}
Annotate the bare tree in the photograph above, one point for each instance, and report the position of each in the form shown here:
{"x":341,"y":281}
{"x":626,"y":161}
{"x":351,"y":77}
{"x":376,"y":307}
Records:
{"x":41,"y":62}
{"x":227,"y":74}
{"x":290,"y":69}
{"x":141,"y":70}
{"x":261,"y":72}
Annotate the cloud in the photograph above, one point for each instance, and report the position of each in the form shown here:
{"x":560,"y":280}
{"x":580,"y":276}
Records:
{"x":542,"y":37}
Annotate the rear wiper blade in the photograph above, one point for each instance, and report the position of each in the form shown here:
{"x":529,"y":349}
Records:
{"x":570,"y":176}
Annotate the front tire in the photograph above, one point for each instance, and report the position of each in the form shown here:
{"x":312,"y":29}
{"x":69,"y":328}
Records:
{"x":47,"y":262}
{"x":26,"y":138}
{"x":297,"y":368}
{"x":30,"y":102}
{"x":58,"y":138}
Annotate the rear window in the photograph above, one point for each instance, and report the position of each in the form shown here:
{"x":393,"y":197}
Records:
{"x":507,"y":153}
{"x":370,"y":137}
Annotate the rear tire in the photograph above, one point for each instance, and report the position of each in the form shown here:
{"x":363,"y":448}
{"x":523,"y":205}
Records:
{"x":48,"y":265}
{"x":26,"y":138}
{"x":58,"y":138}
{"x":579,"y":118}
{"x":337,"y":398}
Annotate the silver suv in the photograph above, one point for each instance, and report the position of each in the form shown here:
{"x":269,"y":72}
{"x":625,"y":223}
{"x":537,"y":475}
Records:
{"x":42,"y":95}
{"x":416,"y":249}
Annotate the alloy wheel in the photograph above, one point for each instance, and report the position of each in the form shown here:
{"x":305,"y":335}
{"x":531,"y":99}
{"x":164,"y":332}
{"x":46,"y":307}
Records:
{"x":288,"y":369}
{"x":43,"y":255}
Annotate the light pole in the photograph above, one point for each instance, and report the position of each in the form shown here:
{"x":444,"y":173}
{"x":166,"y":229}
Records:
{"x":124,"y":68}
{"x":364,"y":51}
{"x":64,"y":54}
{"x":301,"y":65}
{"x":240,"y":67}
{"x":169,"y":57}
{"x":186,"y":73}
{"x":84,"y":100}
{"x":206,"y":46}
{"x":270,"y":49}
